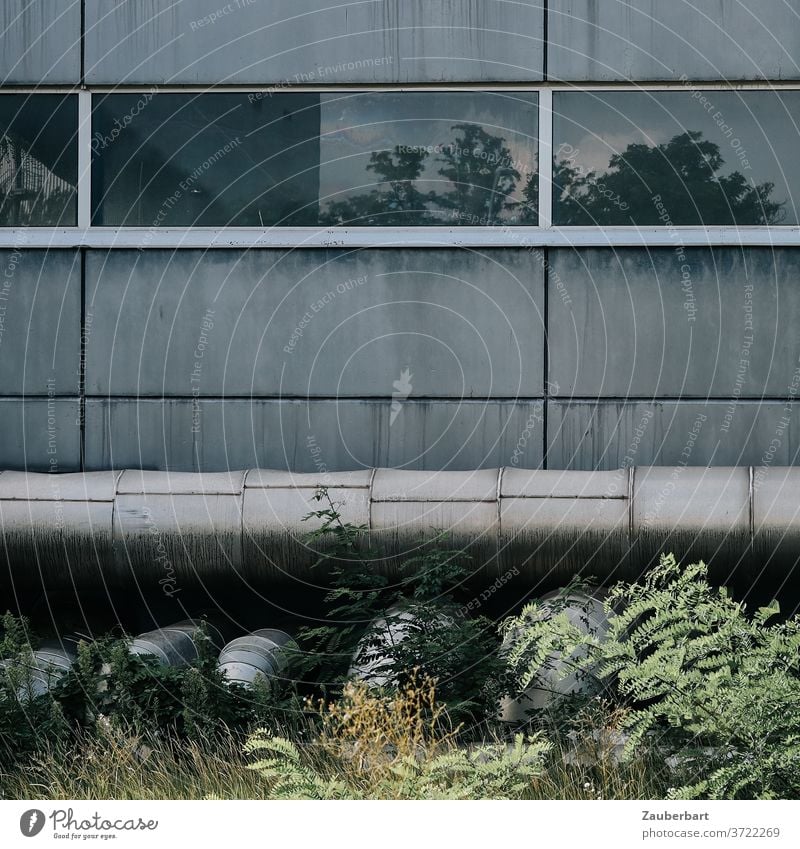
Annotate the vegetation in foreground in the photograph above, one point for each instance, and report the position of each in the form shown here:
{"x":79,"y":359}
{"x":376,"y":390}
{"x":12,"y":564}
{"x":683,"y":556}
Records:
{"x":686,"y":695}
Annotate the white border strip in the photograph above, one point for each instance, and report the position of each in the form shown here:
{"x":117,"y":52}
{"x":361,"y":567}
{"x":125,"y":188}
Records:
{"x":545,"y":158}
{"x":84,"y":161}
{"x":414,"y":237}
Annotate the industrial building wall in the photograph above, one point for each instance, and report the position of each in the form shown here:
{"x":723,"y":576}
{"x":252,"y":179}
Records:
{"x":144,"y":336}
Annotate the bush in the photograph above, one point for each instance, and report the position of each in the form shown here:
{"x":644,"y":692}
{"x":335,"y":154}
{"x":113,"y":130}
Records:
{"x":717,"y":689}
{"x":460,"y":653}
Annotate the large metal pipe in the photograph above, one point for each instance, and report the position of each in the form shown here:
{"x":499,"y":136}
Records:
{"x":169,"y":528}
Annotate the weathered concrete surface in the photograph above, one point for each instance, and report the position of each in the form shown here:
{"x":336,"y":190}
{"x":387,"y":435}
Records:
{"x":610,"y":434}
{"x":653,"y":323}
{"x":655,"y":40}
{"x":313,"y":41}
{"x":440,"y":323}
{"x":40,"y":322}
{"x":40,"y":434}
{"x":310,"y":435}
{"x":40,"y":41}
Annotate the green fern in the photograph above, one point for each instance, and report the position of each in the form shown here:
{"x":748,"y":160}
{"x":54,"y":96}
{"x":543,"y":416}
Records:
{"x":717,"y":688}
{"x":487,"y":772}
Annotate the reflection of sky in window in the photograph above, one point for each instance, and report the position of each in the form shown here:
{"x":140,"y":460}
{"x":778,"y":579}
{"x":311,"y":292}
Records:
{"x":355,"y":126}
{"x":764,"y":123}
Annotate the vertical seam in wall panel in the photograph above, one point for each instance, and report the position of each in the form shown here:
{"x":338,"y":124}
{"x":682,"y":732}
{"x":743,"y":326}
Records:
{"x":83,"y":43}
{"x":545,"y":356}
{"x":631,"y":486}
{"x":545,"y":39}
{"x":82,"y":365}
{"x":751,"y":499}
{"x":370,"y":487}
{"x":499,"y":535}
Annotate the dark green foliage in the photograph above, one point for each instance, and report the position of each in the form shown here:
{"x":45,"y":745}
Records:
{"x":23,"y":721}
{"x":439,"y":641}
{"x":108,"y":684}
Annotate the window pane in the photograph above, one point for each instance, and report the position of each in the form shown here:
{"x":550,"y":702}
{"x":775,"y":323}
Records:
{"x":298,"y":159}
{"x":676,"y":158}
{"x":38,"y":160}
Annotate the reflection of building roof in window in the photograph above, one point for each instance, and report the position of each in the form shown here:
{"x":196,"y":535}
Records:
{"x":23,"y":175}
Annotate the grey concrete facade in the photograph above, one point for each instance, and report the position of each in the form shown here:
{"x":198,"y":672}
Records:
{"x":423,"y":357}
{"x":41,"y":42}
{"x":654,"y":40}
{"x":313,"y":42}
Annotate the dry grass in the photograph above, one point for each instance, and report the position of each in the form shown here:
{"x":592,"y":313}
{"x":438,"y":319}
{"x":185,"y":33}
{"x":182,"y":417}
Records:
{"x":358,"y":743}
{"x":125,"y":766}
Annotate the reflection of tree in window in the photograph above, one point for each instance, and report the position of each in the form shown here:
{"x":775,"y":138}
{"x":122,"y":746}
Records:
{"x":682,"y":173}
{"x":477,"y":167}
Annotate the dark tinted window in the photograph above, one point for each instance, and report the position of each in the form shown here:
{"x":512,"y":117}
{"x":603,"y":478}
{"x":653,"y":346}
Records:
{"x":38,"y":160}
{"x":676,"y":158}
{"x":297,"y":159}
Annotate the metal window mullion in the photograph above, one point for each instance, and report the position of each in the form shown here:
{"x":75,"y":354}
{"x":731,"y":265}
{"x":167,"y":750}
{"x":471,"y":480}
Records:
{"x":84,"y":160}
{"x":545,"y":158}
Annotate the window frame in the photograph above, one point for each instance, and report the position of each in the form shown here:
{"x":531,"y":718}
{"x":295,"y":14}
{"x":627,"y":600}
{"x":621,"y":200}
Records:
{"x":86,"y":235}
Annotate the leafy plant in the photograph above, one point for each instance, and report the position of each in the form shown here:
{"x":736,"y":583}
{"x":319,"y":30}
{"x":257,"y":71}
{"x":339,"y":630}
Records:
{"x":716,"y":688}
{"x":415,"y":625}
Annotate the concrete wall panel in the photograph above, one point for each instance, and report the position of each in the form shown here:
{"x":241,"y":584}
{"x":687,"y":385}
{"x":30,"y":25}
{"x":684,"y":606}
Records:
{"x":311,"y":436}
{"x":655,"y":323}
{"x":614,"y":434}
{"x":40,"y":322}
{"x":654,"y":40}
{"x":40,"y":434}
{"x":385,"y":323}
{"x":313,"y":41}
{"x":40,"y":41}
